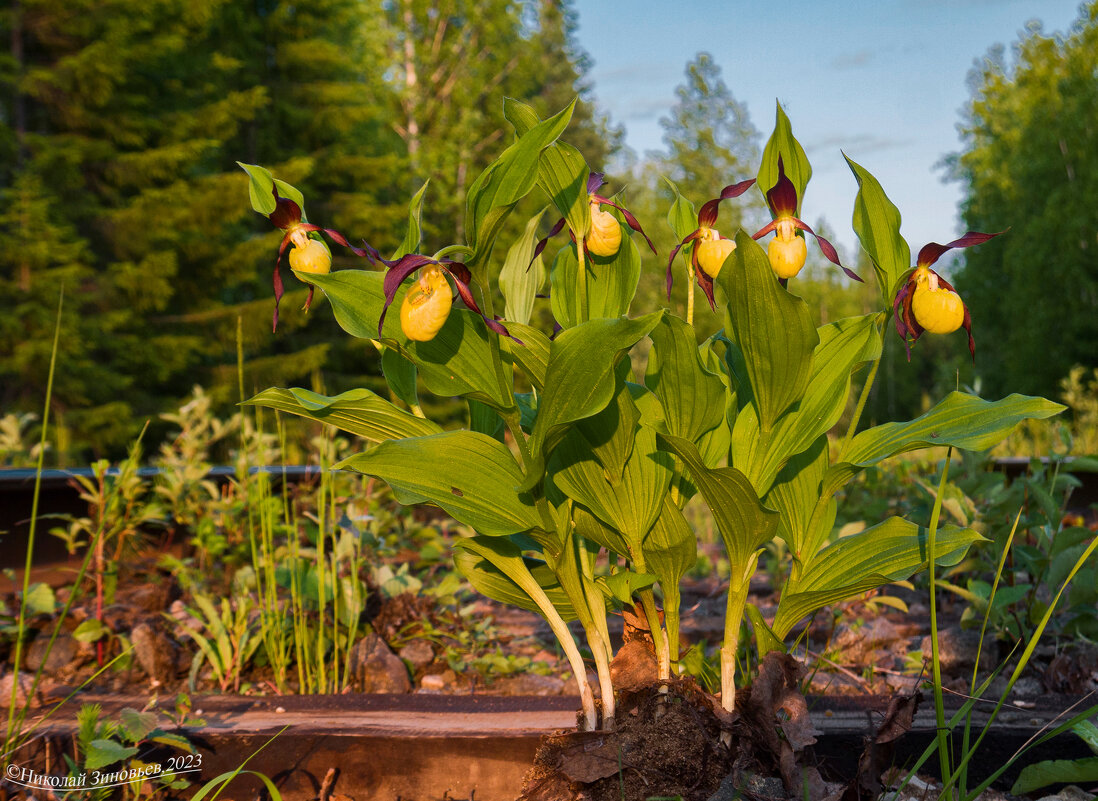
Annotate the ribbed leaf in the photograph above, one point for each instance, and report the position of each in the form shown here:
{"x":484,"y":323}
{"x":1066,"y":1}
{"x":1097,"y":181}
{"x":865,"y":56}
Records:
{"x":510,"y":177}
{"x":456,"y":363}
{"x":470,"y":475}
{"x":532,"y":356}
{"x":681,"y":217}
{"x":877,"y":224}
{"x":497,"y":569}
{"x":400,"y":374}
{"x":260,"y":187}
{"x":579,"y":378}
{"x":611,"y":283}
{"x":773,"y":329}
{"x":519,"y":279}
{"x":414,"y":234}
{"x":843,"y":346}
{"x":356,"y":411}
{"x":744,"y":523}
{"x":630,"y":505}
{"x":562,"y":171}
{"x":794,"y":161}
{"x":794,"y":496}
{"x":961,"y":421}
{"x":890,"y":551}
{"x":693,"y":398}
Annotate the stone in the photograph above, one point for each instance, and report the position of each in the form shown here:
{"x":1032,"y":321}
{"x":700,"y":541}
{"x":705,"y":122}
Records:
{"x":377,"y":669}
{"x":418,"y":654}
{"x":531,"y":684}
{"x":860,"y":644}
{"x":61,"y":655}
{"x":154,"y":652}
{"x":957,"y":648}
{"x":1027,"y":687}
{"x":21,"y":694}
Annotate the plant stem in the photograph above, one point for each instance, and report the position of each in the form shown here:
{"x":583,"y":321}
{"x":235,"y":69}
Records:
{"x":582,"y":310}
{"x":690,"y":291}
{"x":21,"y":626}
{"x":936,"y":667}
{"x":733,"y":620}
{"x":862,"y":398}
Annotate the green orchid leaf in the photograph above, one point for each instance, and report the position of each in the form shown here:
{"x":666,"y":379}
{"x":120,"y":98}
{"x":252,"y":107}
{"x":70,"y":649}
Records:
{"x":532,"y":356}
{"x":692,"y":397}
{"x":562,"y":171}
{"x":681,"y":217}
{"x":400,"y":374}
{"x":772,"y":328}
{"x":590,"y":528}
{"x":877,"y":224}
{"x":504,"y":182}
{"x":611,"y":283}
{"x":260,"y":187}
{"x":744,"y":523}
{"x":782,"y":143}
{"x":485,"y":420}
{"x":890,"y":551}
{"x":579,"y":377}
{"x":670,"y":550}
{"x":621,"y":585}
{"x":458,"y":362}
{"x":356,"y":411}
{"x":521,"y":280}
{"x":795,"y":494}
{"x":843,"y":345}
{"x":469,"y":475}
{"x":610,"y":434}
{"x":497,"y":569}
{"x":630,"y":505}
{"x":765,"y":638}
{"x":414,"y":234}
{"x":960,"y":421}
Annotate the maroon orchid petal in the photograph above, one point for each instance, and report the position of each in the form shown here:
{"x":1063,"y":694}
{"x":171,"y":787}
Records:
{"x":827,"y":249}
{"x":706,"y":284}
{"x":671,"y":260}
{"x":278,"y":296}
{"x":630,"y":220}
{"x":769,"y":228}
{"x":309,"y":300}
{"x":707,"y":215}
{"x":966,"y":323}
{"x":594,"y":181}
{"x":933,"y":251}
{"x":501,"y":329}
{"x":340,"y":239}
{"x":782,"y":197}
{"x":540,"y":247}
{"x":458,"y":270}
{"x":401,"y":269}
{"x":467,"y":298}
{"x":735,"y":190}
{"x":286,"y":214}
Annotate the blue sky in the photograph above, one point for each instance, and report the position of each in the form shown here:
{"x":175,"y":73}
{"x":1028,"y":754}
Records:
{"x":884,"y":81}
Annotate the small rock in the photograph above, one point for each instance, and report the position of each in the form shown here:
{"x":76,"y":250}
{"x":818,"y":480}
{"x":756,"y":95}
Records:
{"x":60,"y":655}
{"x":435,"y":683}
{"x":1071,"y":793}
{"x":418,"y":654}
{"x":764,"y":787}
{"x":21,"y":694}
{"x":957,"y":648}
{"x":531,"y":684}
{"x":860,"y":644}
{"x":154,"y":652}
{"x":377,"y":668}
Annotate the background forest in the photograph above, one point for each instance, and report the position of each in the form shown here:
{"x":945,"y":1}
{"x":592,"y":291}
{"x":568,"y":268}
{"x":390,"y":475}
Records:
{"x":121,"y":122}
